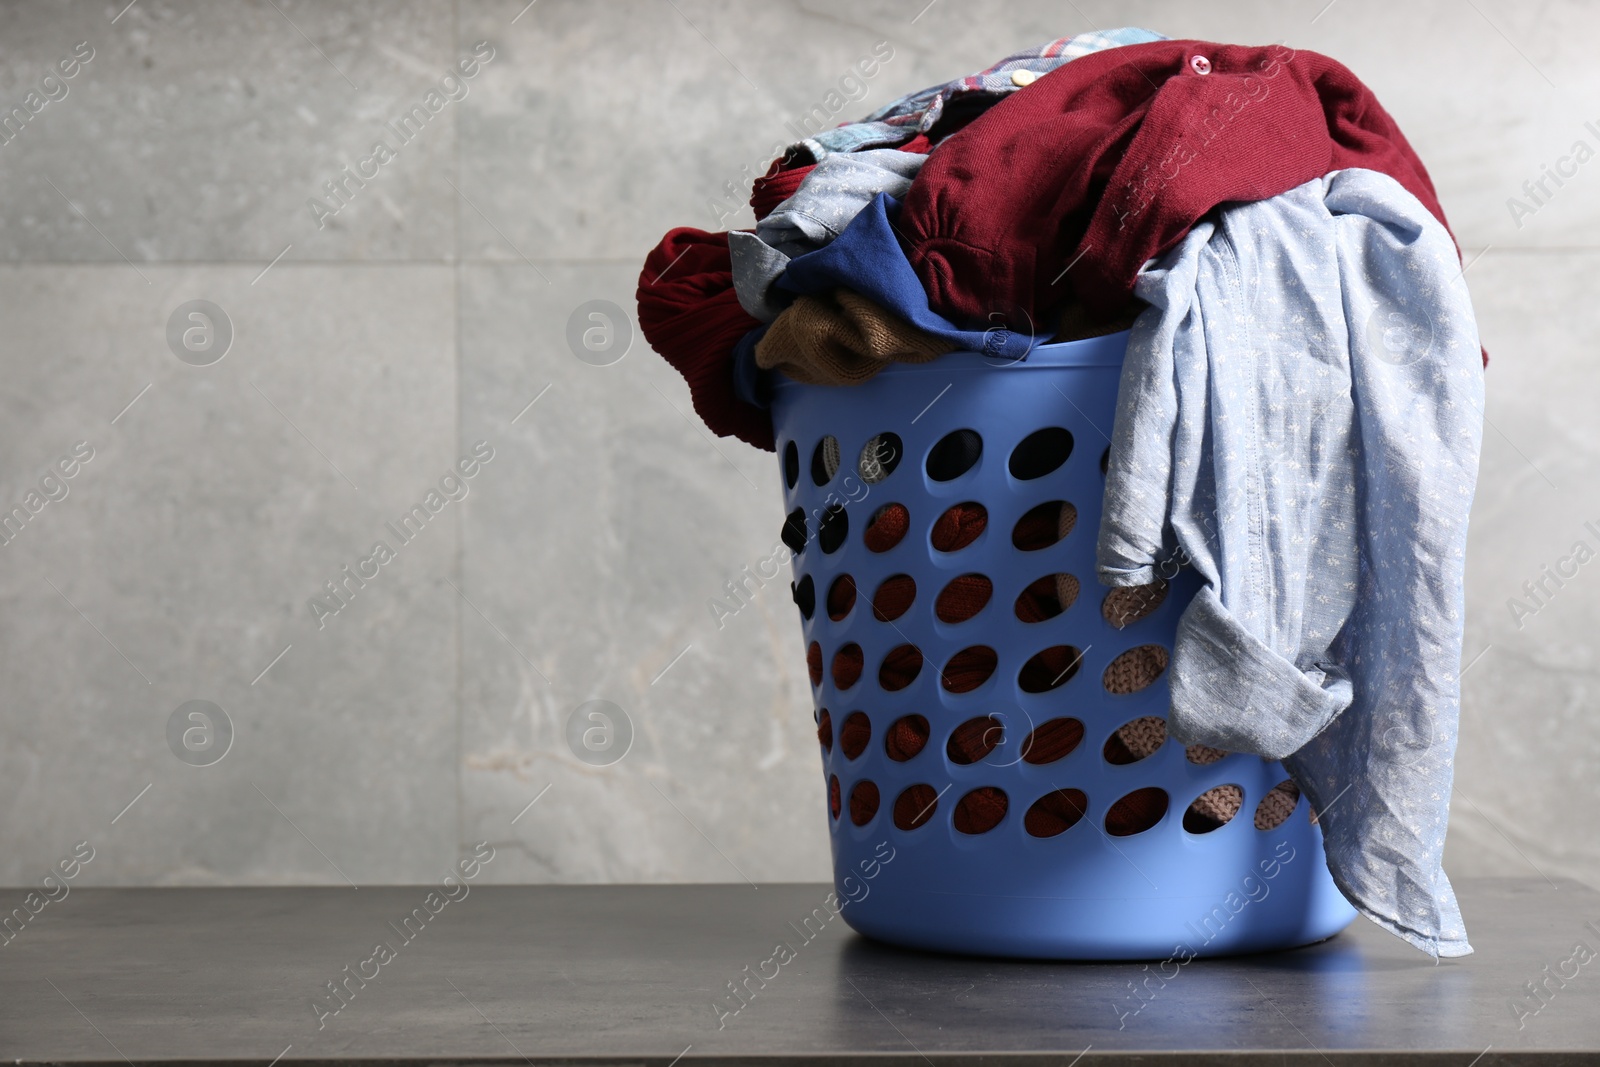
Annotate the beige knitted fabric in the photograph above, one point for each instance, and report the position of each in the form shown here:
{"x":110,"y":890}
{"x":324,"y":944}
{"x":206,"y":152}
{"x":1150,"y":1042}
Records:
{"x":1224,"y":802}
{"x":1142,"y":737}
{"x":1126,"y":605}
{"x":1066,"y":585}
{"x":1066,"y":590}
{"x":1277,"y":805}
{"x":1203,"y":754}
{"x":1069,"y":519}
{"x":1220,"y":804}
{"x":1135,"y":669}
{"x":841,"y":338}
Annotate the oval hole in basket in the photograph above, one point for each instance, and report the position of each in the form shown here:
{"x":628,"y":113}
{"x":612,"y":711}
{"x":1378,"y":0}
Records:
{"x":854,"y":733}
{"x":886,"y":528}
{"x":863,"y":802}
{"x":1136,"y":739}
{"x":833,"y":528}
{"x":1043,"y":525}
{"x":1046,"y":597}
{"x":825,"y":460}
{"x":969,"y":669}
{"x":956,"y":453}
{"x":974,"y":739}
{"x":1135,"y":669}
{"x":1053,"y":740}
{"x":847,"y":666}
{"x":959,"y":526}
{"x":900,"y":667}
{"x":915,"y":806}
{"x":894,"y":597}
{"x":1136,"y":812}
{"x":906,"y":737}
{"x":1040,"y":453}
{"x":1049,"y":669}
{"x":1213,"y":809}
{"x":879,"y":457}
{"x":980,"y":810}
{"x":825,"y":730}
{"x":963,"y":598}
{"x":841,"y":597}
{"x":1055,"y":812}
{"x":1277,"y":805}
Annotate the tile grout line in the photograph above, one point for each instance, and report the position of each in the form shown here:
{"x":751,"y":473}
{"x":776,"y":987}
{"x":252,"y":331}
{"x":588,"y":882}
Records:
{"x":564,"y":261}
{"x":460,"y":517}
{"x":440,"y":261}
{"x":484,"y":261}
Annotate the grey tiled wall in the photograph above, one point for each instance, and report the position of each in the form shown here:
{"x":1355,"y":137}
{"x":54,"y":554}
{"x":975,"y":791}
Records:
{"x":374,"y":348}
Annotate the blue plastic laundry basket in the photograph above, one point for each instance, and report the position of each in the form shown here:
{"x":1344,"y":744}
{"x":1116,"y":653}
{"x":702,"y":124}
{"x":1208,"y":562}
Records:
{"x":911,"y":877}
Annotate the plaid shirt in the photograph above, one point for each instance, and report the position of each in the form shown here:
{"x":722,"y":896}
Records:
{"x":900,"y":121}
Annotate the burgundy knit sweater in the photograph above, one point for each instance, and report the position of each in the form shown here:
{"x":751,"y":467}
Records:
{"x":1069,"y":186}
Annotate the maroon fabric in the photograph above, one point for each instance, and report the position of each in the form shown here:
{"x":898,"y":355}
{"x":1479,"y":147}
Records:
{"x":907,"y":736}
{"x":1049,"y":668}
{"x":689,"y":313}
{"x":1056,"y":812}
{"x":915,"y":806}
{"x":963,"y":598}
{"x":863,"y":802}
{"x":969,"y":668}
{"x":1110,"y":159}
{"x":1040,"y":527}
{"x":1040,"y":601}
{"x":1052,"y":740}
{"x":841,"y":597}
{"x":980,"y":810}
{"x":854,"y":733}
{"x":887,"y":528}
{"x":893,"y":598}
{"x":959,"y":526}
{"x":1136,"y":812}
{"x":776,"y":186}
{"x":900,"y":667}
{"x":847,"y":664}
{"x":974,"y":739}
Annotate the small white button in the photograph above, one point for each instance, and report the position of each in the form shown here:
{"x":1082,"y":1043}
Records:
{"x":1023,"y":77}
{"x":1200,"y":64}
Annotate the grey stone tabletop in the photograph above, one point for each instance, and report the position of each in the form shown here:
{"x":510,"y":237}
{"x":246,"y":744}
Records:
{"x":647,"y":975}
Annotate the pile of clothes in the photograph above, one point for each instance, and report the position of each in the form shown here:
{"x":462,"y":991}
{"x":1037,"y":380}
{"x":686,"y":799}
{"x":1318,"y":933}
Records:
{"x":1299,"y":416}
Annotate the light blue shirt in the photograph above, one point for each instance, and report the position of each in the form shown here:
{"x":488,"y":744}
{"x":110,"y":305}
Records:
{"x":1299,"y":418}
{"x":828,"y":199}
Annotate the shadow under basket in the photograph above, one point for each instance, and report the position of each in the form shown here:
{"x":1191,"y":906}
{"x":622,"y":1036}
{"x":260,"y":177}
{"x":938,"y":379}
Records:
{"x":996,"y":771}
